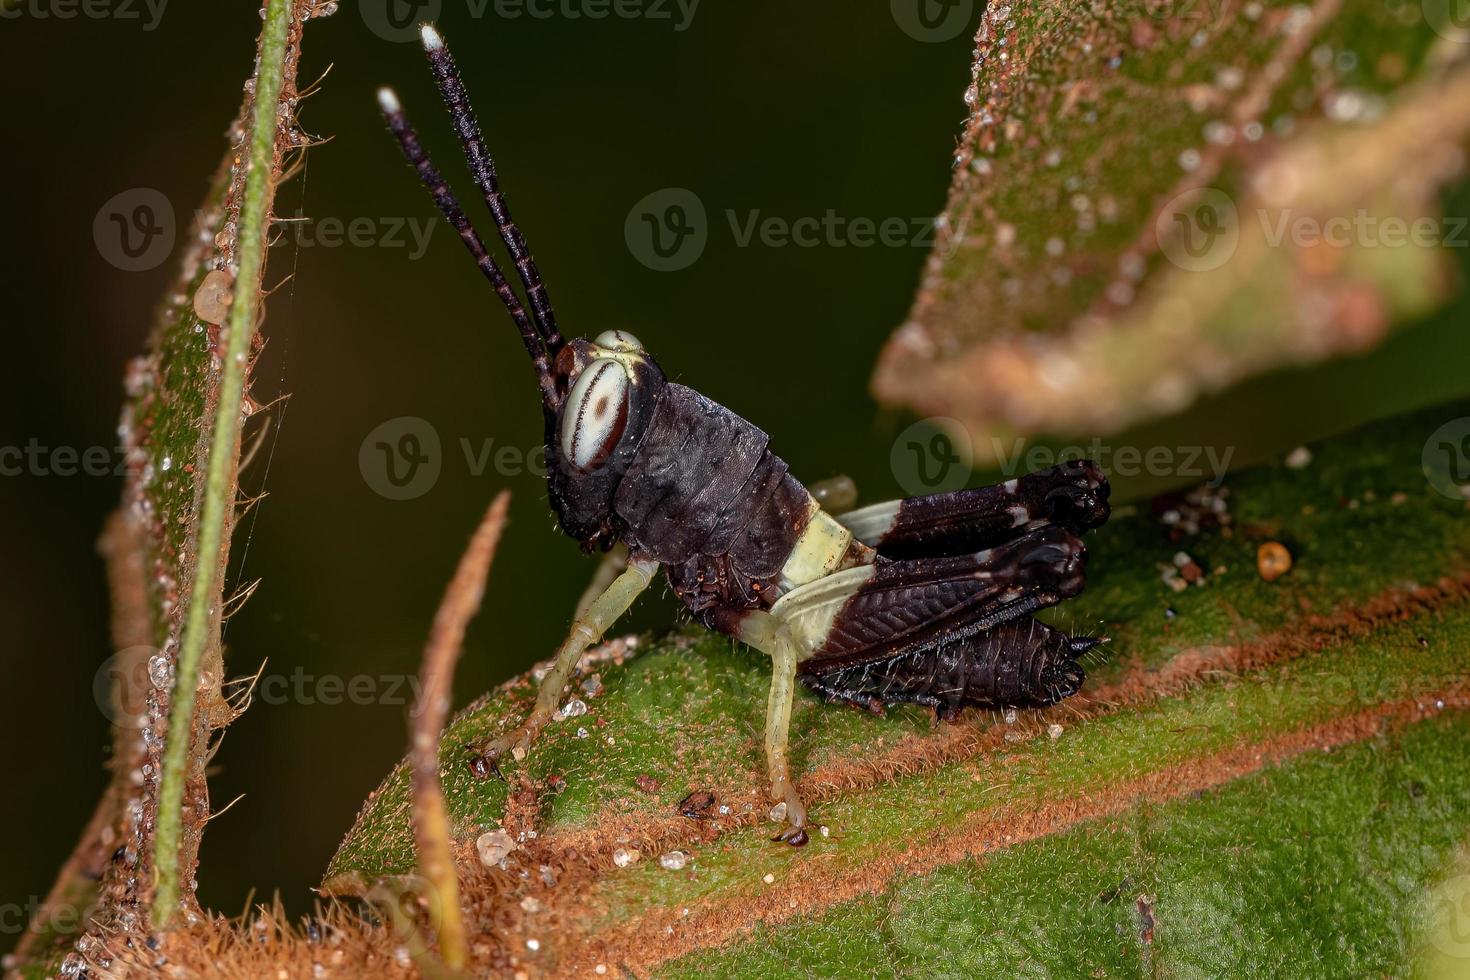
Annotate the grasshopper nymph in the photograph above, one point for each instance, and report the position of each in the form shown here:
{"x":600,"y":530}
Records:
{"x":925,"y":600}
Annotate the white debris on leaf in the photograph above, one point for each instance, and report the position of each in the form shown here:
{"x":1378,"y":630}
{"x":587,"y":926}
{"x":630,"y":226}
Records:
{"x":673,"y":860}
{"x":1299,"y":458}
{"x":625,"y":856}
{"x":493,"y":847}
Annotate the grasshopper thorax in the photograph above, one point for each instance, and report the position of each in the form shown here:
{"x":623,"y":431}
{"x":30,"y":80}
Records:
{"x":609,"y":388}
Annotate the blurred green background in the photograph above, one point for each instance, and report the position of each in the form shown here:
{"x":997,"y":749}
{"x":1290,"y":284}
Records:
{"x":764,"y":108}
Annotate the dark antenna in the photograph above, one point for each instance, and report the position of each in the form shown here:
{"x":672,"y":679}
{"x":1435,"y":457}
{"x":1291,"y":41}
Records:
{"x":408,"y":141}
{"x":482,"y":170}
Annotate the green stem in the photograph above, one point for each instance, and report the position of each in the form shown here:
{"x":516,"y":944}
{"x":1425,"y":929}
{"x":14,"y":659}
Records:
{"x":219,"y":490}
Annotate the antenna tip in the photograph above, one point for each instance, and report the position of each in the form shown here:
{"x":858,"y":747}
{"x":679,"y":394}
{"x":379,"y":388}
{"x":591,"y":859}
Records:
{"x":433,"y":40}
{"x":388,"y":101}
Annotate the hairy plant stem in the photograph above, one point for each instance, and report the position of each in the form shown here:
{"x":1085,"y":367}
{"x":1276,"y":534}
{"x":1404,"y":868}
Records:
{"x":201,"y":623}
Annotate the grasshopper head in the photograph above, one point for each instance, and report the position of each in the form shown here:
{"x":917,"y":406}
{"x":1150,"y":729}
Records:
{"x":611,"y":386}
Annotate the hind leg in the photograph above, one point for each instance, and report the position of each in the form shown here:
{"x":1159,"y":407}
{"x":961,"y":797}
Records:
{"x":769,"y":635}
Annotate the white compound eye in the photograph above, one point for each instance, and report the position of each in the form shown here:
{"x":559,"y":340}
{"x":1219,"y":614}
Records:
{"x":617,"y":340}
{"x":595,"y":414}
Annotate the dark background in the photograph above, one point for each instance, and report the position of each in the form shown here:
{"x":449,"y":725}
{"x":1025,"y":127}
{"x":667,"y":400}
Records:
{"x":786,"y":109}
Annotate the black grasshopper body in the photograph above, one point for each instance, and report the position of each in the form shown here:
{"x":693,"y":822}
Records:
{"x":927,"y":600}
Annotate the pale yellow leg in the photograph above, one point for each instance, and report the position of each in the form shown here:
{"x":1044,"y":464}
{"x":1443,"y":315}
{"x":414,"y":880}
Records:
{"x":587,"y":629}
{"x":769,"y":635}
{"x":608,"y":569}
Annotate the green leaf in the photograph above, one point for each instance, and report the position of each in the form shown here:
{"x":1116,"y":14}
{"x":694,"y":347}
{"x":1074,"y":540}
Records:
{"x":1155,"y":199}
{"x":1229,"y":685}
{"x":1317,"y":868}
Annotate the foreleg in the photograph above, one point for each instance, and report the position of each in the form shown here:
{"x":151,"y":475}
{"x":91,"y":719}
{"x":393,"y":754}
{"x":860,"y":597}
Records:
{"x":587,"y":629}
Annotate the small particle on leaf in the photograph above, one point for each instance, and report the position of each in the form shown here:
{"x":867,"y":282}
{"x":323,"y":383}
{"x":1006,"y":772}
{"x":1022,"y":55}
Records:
{"x":1273,"y":560}
{"x":592,"y":686}
{"x":1299,"y":458}
{"x":778,"y":812}
{"x":697,"y":805}
{"x":625,"y":856}
{"x":574,"y":708}
{"x":1054,"y":730}
{"x":533,"y":944}
{"x":213,"y":297}
{"x":769,"y":879}
{"x":673,"y":861}
{"x":825,"y":830}
{"x":493,"y":847}
{"x":647,"y":784}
